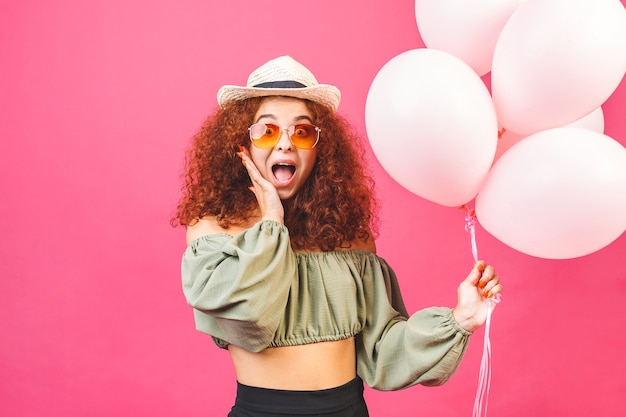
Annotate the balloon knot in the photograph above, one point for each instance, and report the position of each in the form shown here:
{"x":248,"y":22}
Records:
{"x":471,"y":213}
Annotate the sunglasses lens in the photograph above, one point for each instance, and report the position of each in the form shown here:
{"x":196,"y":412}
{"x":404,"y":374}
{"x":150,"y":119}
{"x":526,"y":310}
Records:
{"x":264,"y":135}
{"x":305,"y":136}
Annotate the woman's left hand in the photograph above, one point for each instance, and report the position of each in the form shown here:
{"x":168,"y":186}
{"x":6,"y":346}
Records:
{"x":269,"y":202}
{"x":474,"y":295}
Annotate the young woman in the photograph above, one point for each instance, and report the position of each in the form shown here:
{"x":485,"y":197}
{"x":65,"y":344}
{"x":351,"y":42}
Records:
{"x":281,"y":266}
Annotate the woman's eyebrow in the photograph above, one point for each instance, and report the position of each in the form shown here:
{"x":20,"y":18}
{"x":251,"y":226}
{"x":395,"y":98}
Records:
{"x":263,"y":116}
{"x":303,"y":117}
{"x":295,"y":119}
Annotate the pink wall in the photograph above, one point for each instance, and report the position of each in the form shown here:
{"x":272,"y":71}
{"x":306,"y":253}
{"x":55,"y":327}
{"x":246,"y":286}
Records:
{"x":97,"y":102}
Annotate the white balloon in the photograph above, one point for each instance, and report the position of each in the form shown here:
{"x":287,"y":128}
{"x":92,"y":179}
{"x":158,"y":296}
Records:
{"x":556,"y":61}
{"x":593,"y":121}
{"x":432,"y":125}
{"x":557,"y":194}
{"x":466,"y":29}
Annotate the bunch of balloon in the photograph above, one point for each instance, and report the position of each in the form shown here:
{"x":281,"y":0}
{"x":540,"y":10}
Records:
{"x":531,"y":151}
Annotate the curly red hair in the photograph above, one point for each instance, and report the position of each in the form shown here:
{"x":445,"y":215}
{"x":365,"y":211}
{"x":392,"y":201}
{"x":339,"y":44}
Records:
{"x":335,"y":206}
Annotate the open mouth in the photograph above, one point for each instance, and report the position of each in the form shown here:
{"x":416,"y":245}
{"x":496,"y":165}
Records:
{"x":283,"y":172}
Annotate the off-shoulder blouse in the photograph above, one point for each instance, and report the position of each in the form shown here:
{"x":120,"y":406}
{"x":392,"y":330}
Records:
{"x":254,"y":291}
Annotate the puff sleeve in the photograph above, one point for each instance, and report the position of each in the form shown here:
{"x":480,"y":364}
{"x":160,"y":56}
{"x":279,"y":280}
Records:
{"x":239,"y":286}
{"x":395,"y":351}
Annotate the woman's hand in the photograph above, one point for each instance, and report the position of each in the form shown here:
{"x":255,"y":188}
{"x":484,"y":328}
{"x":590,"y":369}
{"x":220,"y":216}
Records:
{"x":474,"y":294}
{"x":269,"y":202}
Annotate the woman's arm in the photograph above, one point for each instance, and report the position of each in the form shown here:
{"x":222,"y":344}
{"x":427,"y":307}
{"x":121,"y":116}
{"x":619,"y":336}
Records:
{"x":239,"y":285}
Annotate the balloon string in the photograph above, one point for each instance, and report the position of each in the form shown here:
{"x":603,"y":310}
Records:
{"x":470,"y":226}
{"x":481,"y":401}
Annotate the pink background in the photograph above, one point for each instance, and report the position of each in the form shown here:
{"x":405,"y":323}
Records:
{"x":98,"y":101}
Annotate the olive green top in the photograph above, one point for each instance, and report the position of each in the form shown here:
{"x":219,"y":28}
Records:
{"x":254,"y":291}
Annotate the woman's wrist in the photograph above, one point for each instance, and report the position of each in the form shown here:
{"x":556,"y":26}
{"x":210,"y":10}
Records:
{"x":466,"y":320}
{"x":275,"y":218}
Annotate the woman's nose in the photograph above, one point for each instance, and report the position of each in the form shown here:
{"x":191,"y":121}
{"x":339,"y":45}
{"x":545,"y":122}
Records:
{"x":284,"y":142}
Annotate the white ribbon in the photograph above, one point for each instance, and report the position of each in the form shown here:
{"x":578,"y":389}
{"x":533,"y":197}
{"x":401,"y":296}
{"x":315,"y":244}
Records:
{"x":481,"y":401}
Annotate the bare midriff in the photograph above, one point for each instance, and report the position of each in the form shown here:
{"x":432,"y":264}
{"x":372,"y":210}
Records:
{"x":314,"y":366}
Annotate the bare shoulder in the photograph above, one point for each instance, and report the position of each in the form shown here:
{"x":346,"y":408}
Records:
{"x":202,"y":227}
{"x":209,"y":226}
{"x":367,"y":244}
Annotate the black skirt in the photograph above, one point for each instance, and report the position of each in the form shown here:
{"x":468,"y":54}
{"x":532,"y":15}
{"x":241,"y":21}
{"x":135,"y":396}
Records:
{"x":343,"y":401}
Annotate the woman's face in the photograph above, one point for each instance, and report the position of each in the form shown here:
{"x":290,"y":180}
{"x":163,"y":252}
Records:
{"x":284,"y":165}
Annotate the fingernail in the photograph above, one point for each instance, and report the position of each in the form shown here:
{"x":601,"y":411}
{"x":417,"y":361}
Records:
{"x":486,"y":294}
{"x":244,"y":163}
{"x":481,"y":284}
{"x":241,"y":148}
{"x":239,"y":154}
{"x":479,"y":266}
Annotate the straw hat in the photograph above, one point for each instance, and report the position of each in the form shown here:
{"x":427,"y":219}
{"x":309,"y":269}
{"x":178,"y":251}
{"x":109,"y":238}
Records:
{"x":282,"y":76}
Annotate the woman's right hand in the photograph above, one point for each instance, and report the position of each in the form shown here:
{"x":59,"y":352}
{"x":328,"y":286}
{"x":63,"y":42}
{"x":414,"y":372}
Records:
{"x":269,"y":202}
